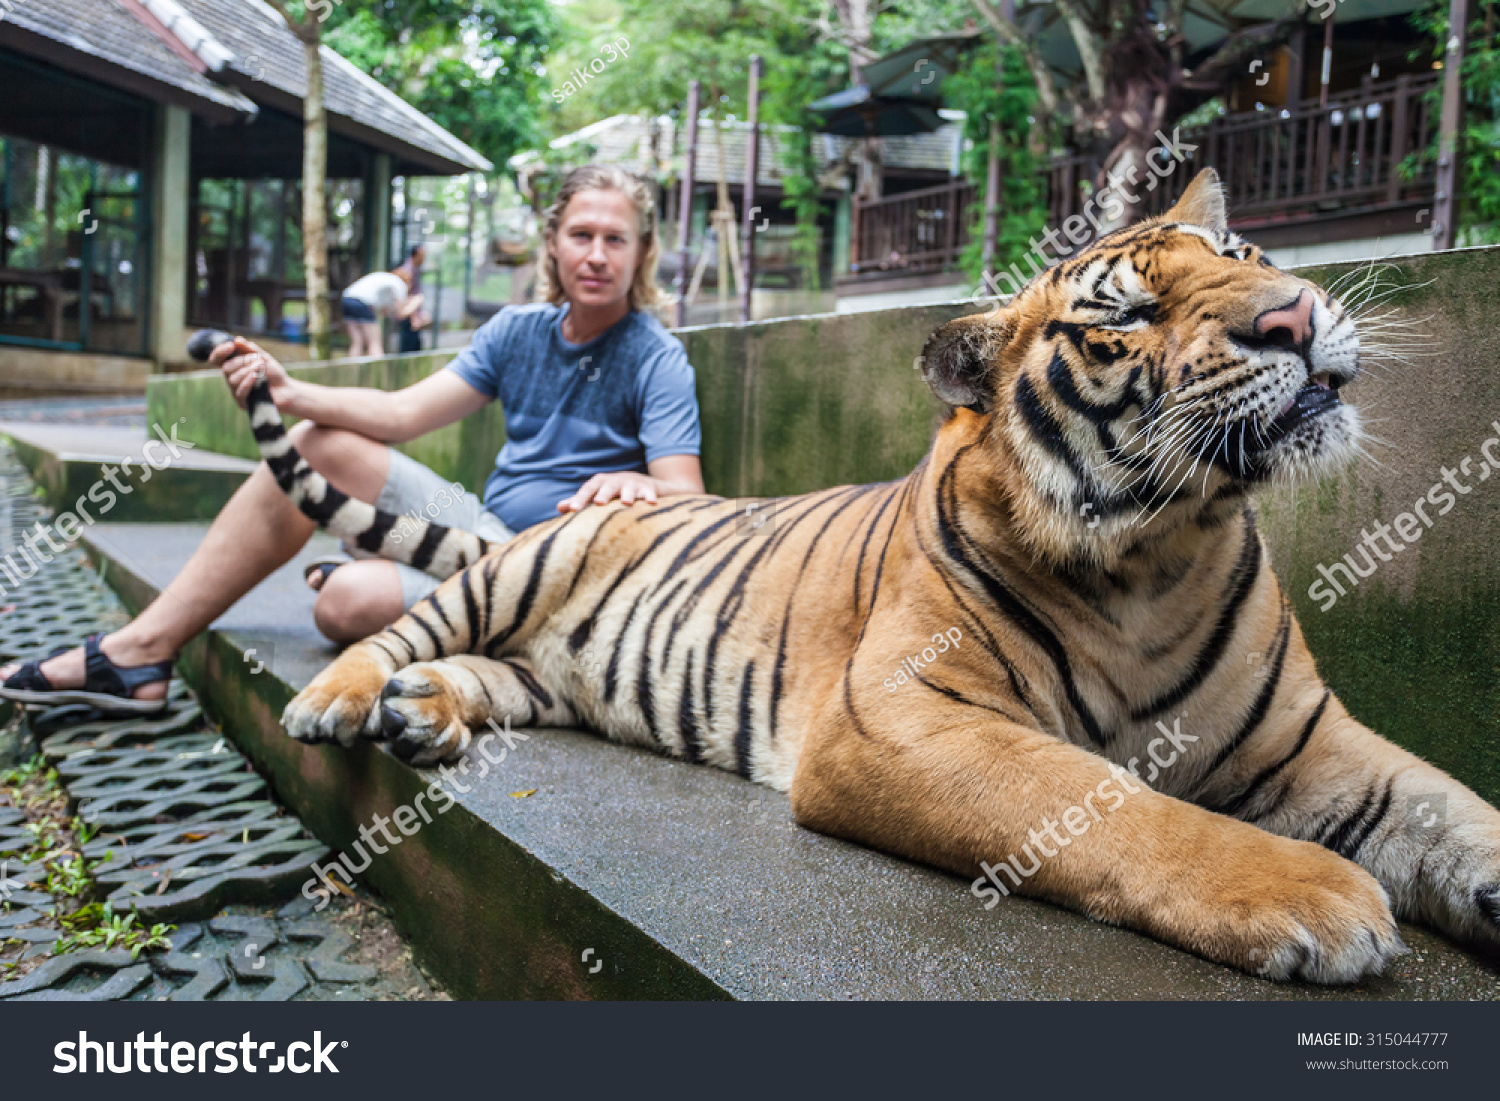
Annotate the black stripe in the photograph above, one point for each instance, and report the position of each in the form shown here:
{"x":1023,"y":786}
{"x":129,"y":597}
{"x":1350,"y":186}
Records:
{"x":859,"y":567}
{"x":1017,"y":679}
{"x":528,"y":594}
{"x":1339,"y":833}
{"x":1008,"y":602}
{"x":958,"y":697}
{"x":471,"y":609}
{"x":734,"y":599}
{"x":1242,"y":578}
{"x":687,"y":722}
{"x":373,"y":536}
{"x":1349,"y":847}
{"x":1045,"y":428}
{"x":399,"y":637}
{"x":378,"y":640}
{"x":581,"y":634}
{"x":859,"y":727}
{"x":611,"y":672}
{"x":1270,"y":772}
{"x":1263,"y":699}
{"x":743,"y":735}
{"x":427,"y":549}
{"x":645,"y":699}
{"x":422,"y":623}
{"x":321,"y":512}
{"x":431,"y":598}
{"x":531,"y":684}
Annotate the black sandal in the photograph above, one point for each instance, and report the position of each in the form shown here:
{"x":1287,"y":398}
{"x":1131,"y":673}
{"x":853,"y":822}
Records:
{"x":106,"y":686}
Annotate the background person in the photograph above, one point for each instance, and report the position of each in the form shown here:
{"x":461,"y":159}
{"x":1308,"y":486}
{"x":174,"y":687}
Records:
{"x":367,"y":300}
{"x":409,"y":329}
{"x":599,"y":404}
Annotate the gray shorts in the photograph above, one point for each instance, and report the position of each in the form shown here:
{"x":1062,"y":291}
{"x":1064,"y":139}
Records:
{"x":410,"y":488}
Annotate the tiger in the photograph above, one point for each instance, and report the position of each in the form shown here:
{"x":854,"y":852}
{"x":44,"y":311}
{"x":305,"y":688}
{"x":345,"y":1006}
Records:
{"x":1052,"y":621}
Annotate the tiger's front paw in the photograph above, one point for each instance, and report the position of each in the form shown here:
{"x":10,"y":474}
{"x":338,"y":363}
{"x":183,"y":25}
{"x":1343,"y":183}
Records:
{"x":340,"y":703}
{"x":1305,"y":913}
{"x":420,"y":714}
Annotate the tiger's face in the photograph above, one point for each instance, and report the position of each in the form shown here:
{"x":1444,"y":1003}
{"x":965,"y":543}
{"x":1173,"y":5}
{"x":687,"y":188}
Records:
{"x":1167,"y":367}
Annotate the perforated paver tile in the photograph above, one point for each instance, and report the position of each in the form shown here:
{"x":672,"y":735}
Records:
{"x":187,"y":826}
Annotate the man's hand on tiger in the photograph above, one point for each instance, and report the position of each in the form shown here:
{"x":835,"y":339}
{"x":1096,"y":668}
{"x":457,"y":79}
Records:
{"x":629,"y":486}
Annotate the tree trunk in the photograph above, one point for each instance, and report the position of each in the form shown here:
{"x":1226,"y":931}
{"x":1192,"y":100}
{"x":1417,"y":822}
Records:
{"x":314,"y":195}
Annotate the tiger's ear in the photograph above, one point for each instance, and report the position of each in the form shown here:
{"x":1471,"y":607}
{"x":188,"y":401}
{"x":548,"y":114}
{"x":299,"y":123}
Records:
{"x":958,"y":361}
{"x":1202,"y":204}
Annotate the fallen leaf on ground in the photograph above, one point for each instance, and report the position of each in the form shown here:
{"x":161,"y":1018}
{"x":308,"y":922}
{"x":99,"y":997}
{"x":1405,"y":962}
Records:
{"x":523,"y":794}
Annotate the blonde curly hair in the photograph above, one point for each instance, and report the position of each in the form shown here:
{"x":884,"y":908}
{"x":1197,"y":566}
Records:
{"x":644,"y":293}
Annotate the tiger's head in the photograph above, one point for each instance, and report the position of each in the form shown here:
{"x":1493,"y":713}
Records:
{"x":1151,"y":380}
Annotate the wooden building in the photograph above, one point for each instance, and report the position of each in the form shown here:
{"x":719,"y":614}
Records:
{"x":150,"y":165}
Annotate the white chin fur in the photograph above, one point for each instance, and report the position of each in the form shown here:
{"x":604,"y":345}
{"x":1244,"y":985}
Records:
{"x":1316,"y":449}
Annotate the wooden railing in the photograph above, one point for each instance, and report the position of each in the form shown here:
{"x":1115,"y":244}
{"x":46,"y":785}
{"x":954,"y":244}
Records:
{"x":915,"y":231}
{"x":1279,"y":166}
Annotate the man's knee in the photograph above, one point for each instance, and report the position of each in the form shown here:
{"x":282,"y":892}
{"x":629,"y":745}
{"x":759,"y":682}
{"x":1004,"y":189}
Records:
{"x":356,"y":464}
{"x":357,"y":600}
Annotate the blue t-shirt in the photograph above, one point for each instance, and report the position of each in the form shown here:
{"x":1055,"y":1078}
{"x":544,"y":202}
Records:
{"x":621,"y":400}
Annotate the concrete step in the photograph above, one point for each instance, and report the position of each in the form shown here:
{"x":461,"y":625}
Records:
{"x":70,"y":463}
{"x":581,"y":869}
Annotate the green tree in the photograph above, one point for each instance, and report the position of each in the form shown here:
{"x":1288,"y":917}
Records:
{"x":995,"y":85}
{"x":1479,"y":137}
{"x":475,"y":67}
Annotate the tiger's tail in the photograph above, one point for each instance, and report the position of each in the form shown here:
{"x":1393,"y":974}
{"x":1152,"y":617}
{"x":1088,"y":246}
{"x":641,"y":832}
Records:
{"x":432,"y":548}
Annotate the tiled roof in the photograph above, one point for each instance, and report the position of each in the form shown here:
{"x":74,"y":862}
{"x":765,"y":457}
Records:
{"x":267,"y":52}
{"x":249,"y":56}
{"x":626,"y":140}
{"x":107,"y":32}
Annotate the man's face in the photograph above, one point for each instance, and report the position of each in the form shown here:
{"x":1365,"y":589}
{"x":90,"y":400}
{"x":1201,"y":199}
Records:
{"x":597,"y":247}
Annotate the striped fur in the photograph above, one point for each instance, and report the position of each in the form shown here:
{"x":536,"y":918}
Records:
{"x":1081,"y":536}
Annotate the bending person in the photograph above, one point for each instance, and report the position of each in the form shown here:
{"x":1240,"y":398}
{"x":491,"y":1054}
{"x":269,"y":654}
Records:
{"x":599,"y":404}
{"x":366,"y":301}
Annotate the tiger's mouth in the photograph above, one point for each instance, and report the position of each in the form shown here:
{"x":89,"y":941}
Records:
{"x":1318,"y":398}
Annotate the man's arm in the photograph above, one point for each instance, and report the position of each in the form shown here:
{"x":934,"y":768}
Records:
{"x":437,"y":400}
{"x":668,"y":476}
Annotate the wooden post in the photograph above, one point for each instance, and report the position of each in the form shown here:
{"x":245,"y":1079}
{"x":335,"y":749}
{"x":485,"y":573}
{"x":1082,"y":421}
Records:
{"x":992,"y":199}
{"x":1327,"y":58}
{"x":1400,"y":127}
{"x":750,"y":210}
{"x":1296,"y":76}
{"x":1445,"y":209}
{"x":685,"y":205}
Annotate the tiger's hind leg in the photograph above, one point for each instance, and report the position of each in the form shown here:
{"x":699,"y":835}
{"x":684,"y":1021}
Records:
{"x":429,"y":710}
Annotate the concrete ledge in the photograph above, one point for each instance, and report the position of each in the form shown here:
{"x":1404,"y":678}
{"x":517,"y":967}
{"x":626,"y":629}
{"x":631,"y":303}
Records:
{"x":67,"y":461}
{"x":686,"y":882}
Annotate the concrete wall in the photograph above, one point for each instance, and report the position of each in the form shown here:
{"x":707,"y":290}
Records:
{"x":34,"y":372}
{"x":799,"y":404}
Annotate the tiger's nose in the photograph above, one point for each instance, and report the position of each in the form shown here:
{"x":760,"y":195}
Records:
{"x":1291,"y":324}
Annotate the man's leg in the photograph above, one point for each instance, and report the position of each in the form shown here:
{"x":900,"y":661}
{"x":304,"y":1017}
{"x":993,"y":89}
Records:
{"x":258,"y":531}
{"x":359,"y":599}
{"x":356,"y":338}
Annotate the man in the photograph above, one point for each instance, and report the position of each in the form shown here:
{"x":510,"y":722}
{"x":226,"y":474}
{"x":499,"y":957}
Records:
{"x":599,"y":404}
